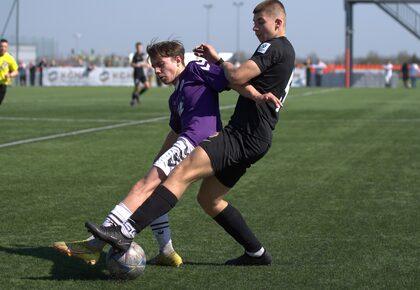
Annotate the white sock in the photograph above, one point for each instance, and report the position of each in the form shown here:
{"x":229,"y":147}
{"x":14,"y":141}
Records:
{"x":256,"y":254}
{"x":162,"y":232}
{"x":128,"y":230}
{"x":117,"y":216}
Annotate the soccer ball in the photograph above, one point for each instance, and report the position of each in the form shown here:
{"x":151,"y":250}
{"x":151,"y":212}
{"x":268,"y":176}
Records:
{"x":128,"y":265}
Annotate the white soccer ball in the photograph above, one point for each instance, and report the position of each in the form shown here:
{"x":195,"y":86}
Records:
{"x":128,"y":265}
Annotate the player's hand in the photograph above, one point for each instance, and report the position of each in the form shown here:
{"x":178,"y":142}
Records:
{"x":207,"y":52}
{"x":268,"y":98}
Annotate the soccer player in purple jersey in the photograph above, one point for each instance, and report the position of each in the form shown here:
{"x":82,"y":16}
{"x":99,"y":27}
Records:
{"x":223,"y":159}
{"x":194,"y":107}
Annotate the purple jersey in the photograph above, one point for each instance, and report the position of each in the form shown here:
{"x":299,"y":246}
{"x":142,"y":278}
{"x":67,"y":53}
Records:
{"x":194,"y":104}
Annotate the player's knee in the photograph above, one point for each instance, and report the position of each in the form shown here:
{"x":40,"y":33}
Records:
{"x":181,"y":172}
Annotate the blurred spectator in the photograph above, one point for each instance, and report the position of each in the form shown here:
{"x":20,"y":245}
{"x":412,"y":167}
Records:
{"x":150,"y":72}
{"x":388,"y":73}
{"x":308,"y":71}
{"x":41,"y":65}
{"x":22,"y":73}
{"x":404,"y":75}
{"x":32,"y":73}
{"x":319,"y":72}
{"x":414,"y":74}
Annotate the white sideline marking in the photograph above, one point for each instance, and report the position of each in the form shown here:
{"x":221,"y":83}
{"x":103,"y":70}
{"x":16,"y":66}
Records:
{"x":91,"y":130}
{"x":97,"y":129}
{"x":310,"y":93}
{"x":63,"y":120}
{"x":84,"y":131}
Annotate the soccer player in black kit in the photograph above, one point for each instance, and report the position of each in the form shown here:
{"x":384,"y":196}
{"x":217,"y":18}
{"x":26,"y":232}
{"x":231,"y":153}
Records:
{"x":138,"y":63}
{"x":221,"y":160}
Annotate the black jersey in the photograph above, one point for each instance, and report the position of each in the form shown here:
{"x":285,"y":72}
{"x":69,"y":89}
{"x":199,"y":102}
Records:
{"x":276,"y":60}
{"x":138,"y":58}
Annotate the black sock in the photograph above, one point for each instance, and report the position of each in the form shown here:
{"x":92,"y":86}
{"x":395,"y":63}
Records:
{"x":234,"y":224}
{"x":134,"y":96}
{"x":160,"y":202}
{"x":143,"y":90}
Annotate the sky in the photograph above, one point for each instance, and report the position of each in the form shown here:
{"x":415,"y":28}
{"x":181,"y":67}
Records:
{"x":315,"y":27}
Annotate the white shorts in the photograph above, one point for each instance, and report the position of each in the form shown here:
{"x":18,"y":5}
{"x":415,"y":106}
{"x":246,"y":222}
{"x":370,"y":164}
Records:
{"x":174,"y":155}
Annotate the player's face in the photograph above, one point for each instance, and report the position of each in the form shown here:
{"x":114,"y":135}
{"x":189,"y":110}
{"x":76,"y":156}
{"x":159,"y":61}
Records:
{"x":265,"y":26}
{"x":3,"y":47}
{"x":167,"y":69}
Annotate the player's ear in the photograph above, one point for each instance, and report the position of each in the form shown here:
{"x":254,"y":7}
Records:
{"x":278,"y":23}
{"x":178,"y":60}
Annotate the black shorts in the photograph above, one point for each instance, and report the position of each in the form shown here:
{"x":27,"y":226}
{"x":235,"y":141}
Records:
{"x":139,"y":79}
{"x":231,"y":152}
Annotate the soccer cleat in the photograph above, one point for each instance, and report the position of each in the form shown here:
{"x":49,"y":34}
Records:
{"x":111,"y":235}
{"x":247,"y":260}
{"x":79,"y":249}
{"x":172,"y":260}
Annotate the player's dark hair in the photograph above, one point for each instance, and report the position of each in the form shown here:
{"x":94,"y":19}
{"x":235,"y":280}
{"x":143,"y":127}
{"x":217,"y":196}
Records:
{"x":4,"y":40}
{"x":139,"y":43}
{"x":269,"y":6}
{"x":169,"y":48}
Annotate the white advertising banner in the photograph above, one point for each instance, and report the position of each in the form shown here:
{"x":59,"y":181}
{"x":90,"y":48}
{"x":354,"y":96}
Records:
{"x":81,"y":76}
{"x":299,"y":78}
{"x":113,"y":76}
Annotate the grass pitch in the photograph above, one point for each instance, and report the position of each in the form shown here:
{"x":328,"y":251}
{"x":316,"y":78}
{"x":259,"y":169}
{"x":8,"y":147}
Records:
{"x":336,"y":200}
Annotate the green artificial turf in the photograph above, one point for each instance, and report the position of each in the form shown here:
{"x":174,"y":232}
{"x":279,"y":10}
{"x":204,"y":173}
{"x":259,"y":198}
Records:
{"x":335,"y":201}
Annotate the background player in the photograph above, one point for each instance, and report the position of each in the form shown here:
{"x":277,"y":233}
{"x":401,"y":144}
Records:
{"x":8,"y":68}
{"x":139,"y":63}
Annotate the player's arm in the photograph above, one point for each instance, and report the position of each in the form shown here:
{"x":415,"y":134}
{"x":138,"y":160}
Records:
{"x":133,"y":63}
{"x":235,"y":75}
{"x":248,"y":91}
{"x":13,"y":71}
{"x":242,"y":74}
{"x":12,"y":74}
{"x":169,"y":141}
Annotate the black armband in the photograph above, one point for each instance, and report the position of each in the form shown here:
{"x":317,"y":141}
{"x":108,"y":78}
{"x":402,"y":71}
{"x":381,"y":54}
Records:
{"x":219,"y":62}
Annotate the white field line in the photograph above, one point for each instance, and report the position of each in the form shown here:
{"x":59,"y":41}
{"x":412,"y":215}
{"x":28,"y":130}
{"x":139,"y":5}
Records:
{"x":84,"y":131}
{"x":310,"y":93}
{"x":109,"y":127}
{"x":63,"y":120}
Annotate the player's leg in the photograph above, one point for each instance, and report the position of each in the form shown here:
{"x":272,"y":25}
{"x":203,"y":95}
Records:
{"x":3,"y":89}
{"x":89,"y":250}
{"x":197,"y":165}
{"x":210,"y":197}
{"x":145,"y":84}
{"x":136,"y":92}
{"x":160,"y":227}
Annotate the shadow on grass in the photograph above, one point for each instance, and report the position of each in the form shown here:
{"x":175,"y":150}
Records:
{"x":203,"y":263}
{"x":63,"y":268}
